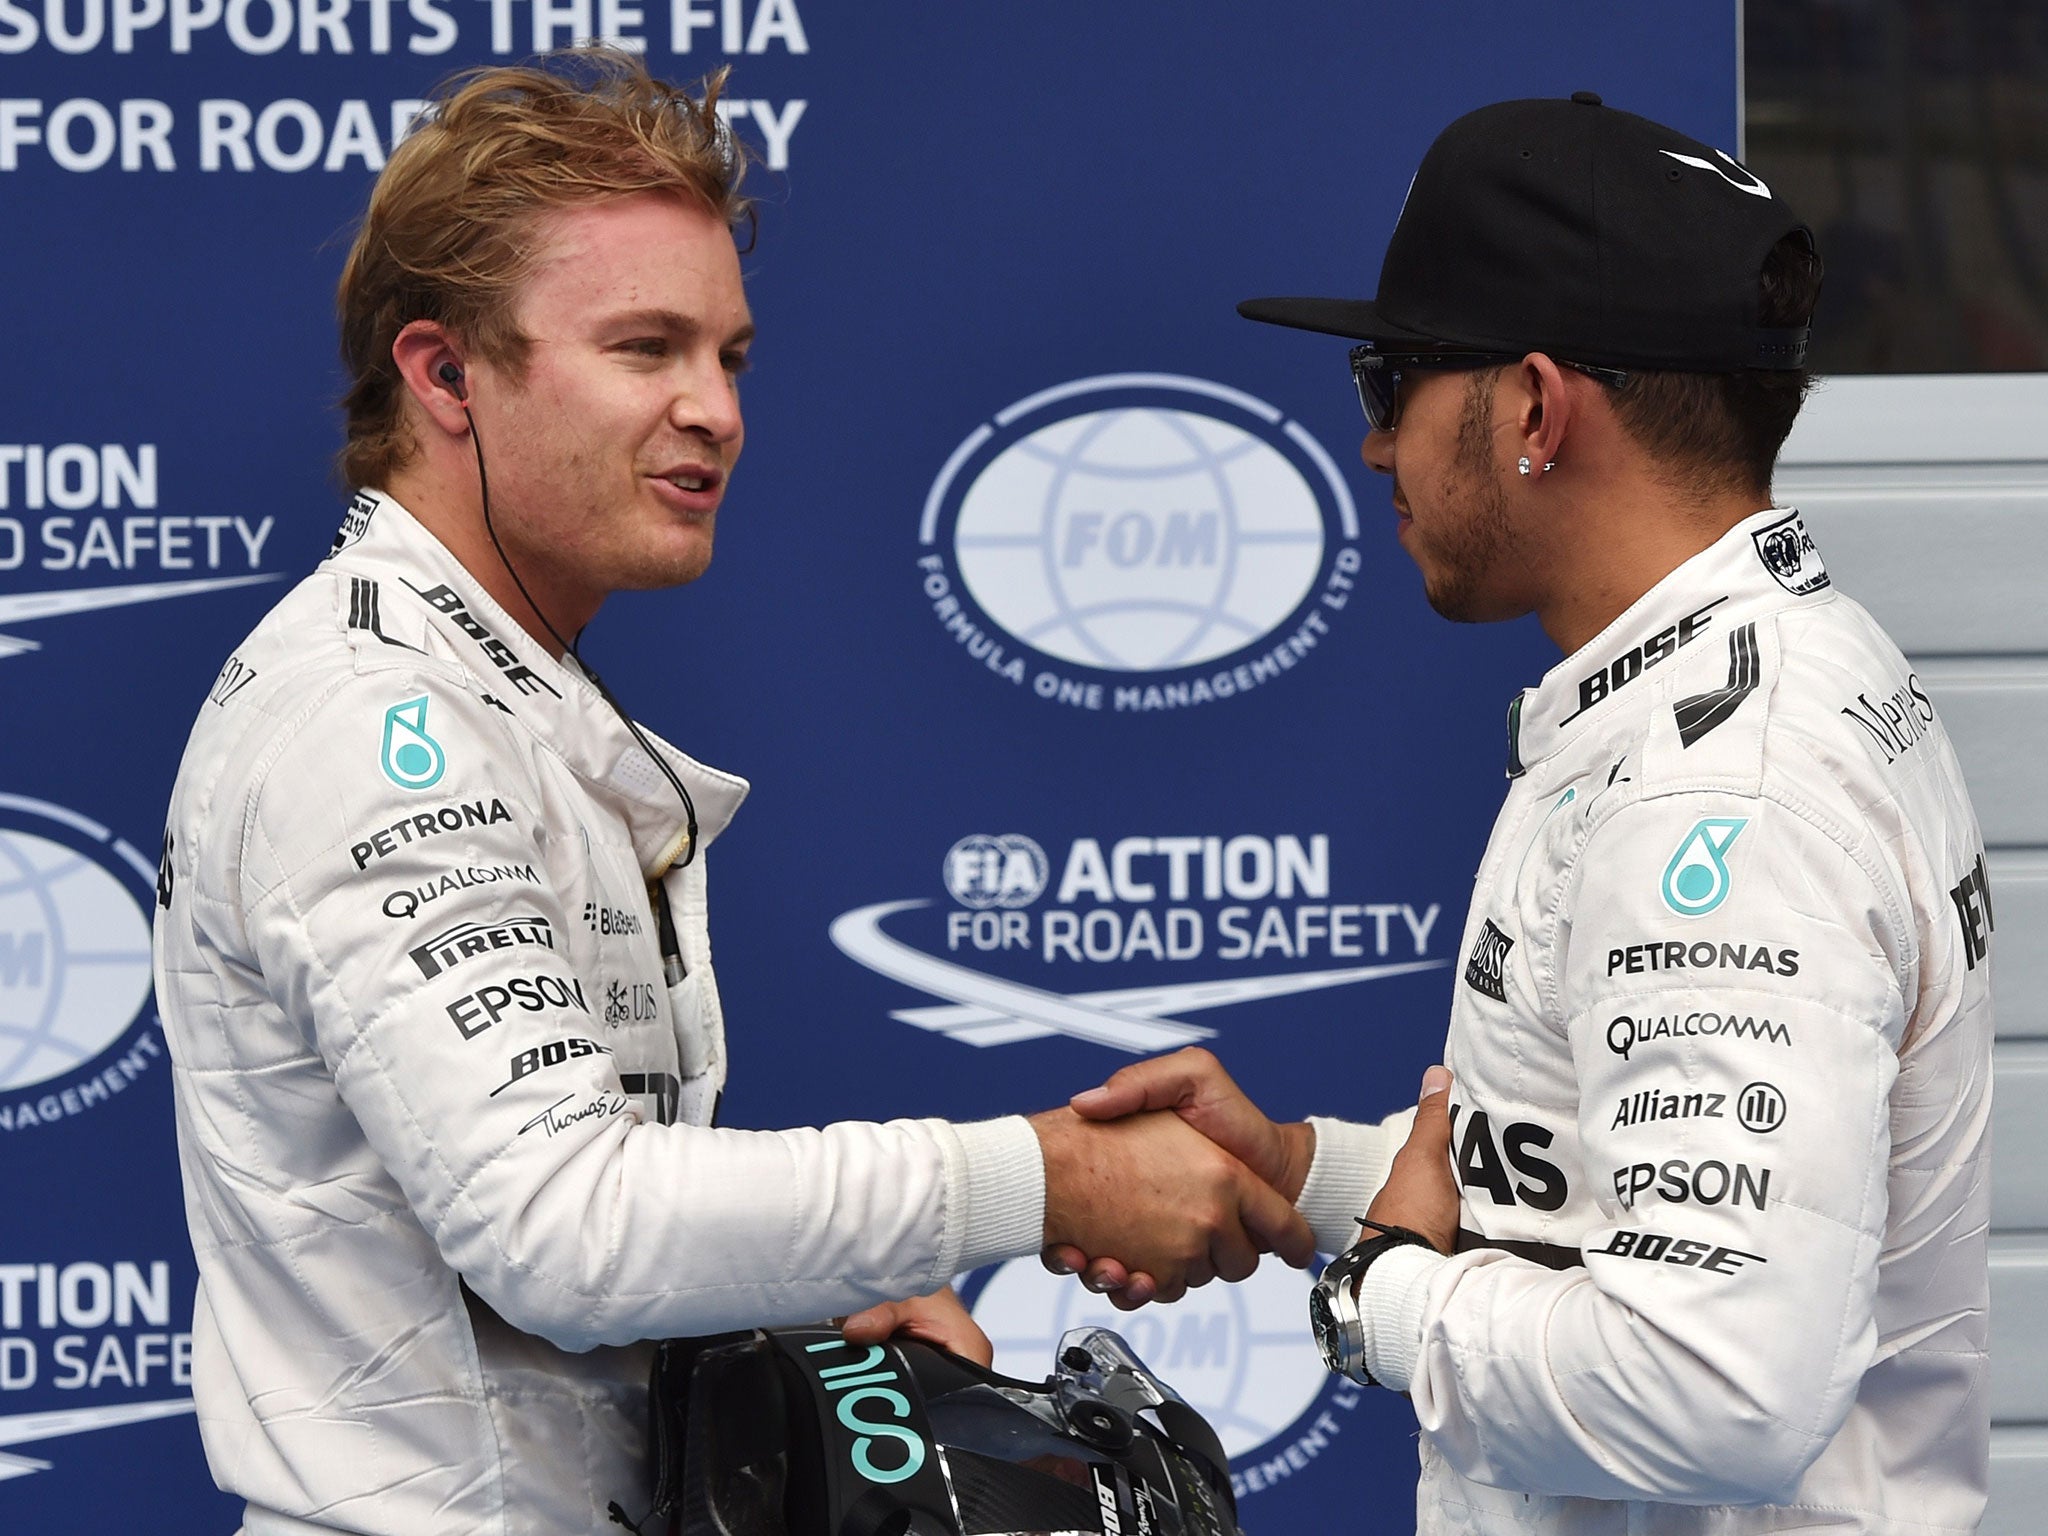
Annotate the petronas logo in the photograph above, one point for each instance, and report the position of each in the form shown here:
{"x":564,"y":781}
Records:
{"x":1696,"y":880}
{"x":412,"y":759}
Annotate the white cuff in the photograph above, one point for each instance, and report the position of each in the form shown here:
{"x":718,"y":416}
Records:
{"x":999,"y":1193}
{"x":1350,"y":1165}
{"x":1391,"y":1300}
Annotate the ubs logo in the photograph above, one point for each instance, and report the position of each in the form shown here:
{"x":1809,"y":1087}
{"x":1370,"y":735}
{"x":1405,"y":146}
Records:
{"x":1118,"y":530}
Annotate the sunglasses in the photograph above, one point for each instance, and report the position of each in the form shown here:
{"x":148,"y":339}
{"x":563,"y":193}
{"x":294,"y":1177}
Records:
{"x":1378,"y":375}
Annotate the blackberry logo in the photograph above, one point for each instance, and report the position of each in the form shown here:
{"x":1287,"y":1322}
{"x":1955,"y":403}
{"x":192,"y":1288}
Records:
{"x":1138,"y":524}
{"x":610,"y":922}
{"x":1486,"y":968}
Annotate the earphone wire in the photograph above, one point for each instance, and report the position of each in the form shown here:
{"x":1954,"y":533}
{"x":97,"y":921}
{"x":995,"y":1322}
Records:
{"x":483,"y":485}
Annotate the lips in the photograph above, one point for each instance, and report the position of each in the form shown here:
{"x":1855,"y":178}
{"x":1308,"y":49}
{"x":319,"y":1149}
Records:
{"x":692,"y":488}
{"x":693,"y":477}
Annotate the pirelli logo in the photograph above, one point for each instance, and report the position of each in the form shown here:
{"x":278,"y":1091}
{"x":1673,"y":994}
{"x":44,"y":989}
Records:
{"x":466,"y":941}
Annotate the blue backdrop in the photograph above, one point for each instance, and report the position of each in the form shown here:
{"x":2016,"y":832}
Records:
{"x":1054,"y":618}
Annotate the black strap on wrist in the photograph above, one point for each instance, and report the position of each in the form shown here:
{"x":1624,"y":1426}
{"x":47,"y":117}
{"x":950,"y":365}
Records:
{"x":1365,"y":1252}
{"x":1391,"y":1236}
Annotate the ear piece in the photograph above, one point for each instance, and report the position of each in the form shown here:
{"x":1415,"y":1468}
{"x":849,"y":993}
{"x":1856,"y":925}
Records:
{"x":451,"y":375}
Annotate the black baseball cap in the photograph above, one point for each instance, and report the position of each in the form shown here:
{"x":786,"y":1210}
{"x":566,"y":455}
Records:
{"x":1572,"y":228}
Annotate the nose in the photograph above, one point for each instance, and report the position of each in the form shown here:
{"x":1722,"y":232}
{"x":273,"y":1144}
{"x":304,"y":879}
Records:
{"x":1378,"y":451}
{"x":708,"y":403}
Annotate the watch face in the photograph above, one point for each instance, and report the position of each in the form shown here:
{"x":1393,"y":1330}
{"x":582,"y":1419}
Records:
{"x":1329,"y":1338}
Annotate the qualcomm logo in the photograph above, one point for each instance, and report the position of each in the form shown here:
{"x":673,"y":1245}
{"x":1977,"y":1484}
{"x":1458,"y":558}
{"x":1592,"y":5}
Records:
{"x":75,"y":1023}
{"x":1242,"y":1355}
{"x":1137,"y":542}
{"x":1161,"y":902}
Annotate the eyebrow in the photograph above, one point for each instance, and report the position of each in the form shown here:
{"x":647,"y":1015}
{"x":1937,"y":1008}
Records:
{"x":670,"y":320}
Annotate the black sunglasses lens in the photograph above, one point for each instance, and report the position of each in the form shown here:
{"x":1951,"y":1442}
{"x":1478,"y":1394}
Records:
{"x":1379,"y":388}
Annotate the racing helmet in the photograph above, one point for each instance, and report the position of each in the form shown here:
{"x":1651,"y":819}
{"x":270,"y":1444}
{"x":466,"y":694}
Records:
{"x":796,"y":1432}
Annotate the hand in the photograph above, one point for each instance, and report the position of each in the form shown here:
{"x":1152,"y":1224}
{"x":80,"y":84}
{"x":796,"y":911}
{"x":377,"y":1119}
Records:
{"x":1150,"y":1187}
{"x":1193,"y":1084}
{"x":940,"y":1318}
{"x":1420,"y":1193}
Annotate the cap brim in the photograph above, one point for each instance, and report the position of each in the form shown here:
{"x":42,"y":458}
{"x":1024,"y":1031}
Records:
{"x":1359,"y":319}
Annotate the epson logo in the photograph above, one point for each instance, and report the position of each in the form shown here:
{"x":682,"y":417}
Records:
{"x":466,"y":941}
{"x":479,"y":1010}
{"x":1679,"y":1182}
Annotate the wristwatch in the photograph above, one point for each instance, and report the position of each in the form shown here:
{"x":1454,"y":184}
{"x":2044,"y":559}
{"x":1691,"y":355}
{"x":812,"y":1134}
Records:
{"x":1333,"y":1309}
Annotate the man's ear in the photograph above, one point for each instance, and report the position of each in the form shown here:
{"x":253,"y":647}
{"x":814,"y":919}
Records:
{"x":1542,"y":404}
{"x":430,"y":361}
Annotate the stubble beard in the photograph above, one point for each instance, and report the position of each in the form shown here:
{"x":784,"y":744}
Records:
{"x":1465,"y":550}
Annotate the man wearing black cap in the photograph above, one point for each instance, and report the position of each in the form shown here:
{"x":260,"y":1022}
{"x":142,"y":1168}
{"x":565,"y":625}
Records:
{"x":1697,"y":1215}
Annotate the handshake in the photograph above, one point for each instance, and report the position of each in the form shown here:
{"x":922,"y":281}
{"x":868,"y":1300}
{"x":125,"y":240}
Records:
{"x":1168,"y":1177}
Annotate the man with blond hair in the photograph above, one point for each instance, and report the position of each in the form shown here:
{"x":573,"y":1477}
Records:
{"x":431,"y":948}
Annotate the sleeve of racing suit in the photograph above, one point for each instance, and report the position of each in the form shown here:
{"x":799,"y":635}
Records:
{"x":546,"y":1192}
{"x":1349,"y":1166}
{"x":1725,"y":968}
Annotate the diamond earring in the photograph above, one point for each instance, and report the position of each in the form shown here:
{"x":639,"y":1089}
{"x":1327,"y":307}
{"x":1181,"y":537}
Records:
{"x":1523,"y":465}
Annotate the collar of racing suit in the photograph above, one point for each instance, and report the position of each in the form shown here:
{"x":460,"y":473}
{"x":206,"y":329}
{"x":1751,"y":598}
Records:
{"x":1762,"y":564}
{"x":414,"y":583}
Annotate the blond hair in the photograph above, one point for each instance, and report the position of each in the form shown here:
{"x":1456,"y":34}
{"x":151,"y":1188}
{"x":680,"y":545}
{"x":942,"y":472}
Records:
{"x":450,"y":233}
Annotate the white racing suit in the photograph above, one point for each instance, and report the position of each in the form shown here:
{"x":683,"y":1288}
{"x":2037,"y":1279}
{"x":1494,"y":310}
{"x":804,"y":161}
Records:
{"x":442,"y":1111}
{"x":1722,"y":1098}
